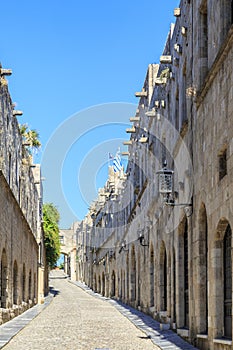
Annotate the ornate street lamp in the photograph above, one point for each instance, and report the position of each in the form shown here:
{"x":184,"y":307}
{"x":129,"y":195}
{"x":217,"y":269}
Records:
{"x":166,"y":189}
{"x":165,"y":177}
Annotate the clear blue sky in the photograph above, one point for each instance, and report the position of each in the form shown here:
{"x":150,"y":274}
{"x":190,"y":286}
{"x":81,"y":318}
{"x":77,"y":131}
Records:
{"x":70,"y":56}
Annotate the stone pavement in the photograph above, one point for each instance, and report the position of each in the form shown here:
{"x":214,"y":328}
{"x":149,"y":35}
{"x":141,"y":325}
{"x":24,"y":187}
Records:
{"x":79,"y":319}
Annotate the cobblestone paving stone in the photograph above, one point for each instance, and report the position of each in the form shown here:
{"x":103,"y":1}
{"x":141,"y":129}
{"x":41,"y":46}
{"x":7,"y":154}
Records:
{"x":76,"y":320}
{"x":79,"y":319}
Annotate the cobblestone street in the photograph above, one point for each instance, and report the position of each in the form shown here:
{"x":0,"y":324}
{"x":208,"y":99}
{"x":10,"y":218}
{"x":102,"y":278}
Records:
{"x":77,"y":319}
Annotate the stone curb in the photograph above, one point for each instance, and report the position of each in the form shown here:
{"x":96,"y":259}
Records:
{"x":164,"y":339}
{"x":9,"y":329}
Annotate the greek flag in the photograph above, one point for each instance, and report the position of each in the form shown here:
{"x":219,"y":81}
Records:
{"x":117,"y":164}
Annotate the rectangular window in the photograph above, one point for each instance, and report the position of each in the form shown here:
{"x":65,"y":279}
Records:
{"x":203,"y":42}
{"x":222,"y":164}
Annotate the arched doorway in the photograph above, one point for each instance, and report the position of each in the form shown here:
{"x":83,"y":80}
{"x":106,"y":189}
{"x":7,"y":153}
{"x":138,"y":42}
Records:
{"x":202,"y":270}
{"x":127,"y":277}
{"x":174,"y":285}
{"x":4,"y":279}
{"x":183,"y":276}
{"x":94,"y":283}
{"x":163,"y":277}
{"x":133,"y":275}
{"x":113,"y":284}
{"x":23,"y":283}
{"x":15,"y":283}
{"x":30,"y":285}
{"x":227,"y":263}
{"x":152,"y":276}
{"x":222,"y":284}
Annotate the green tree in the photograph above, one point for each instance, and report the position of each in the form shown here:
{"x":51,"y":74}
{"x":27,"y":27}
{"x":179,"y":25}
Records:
{"x":31,"y":138}
{"x":51,"y":219}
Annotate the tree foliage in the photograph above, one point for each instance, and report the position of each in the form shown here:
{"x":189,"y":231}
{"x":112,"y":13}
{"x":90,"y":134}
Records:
{"x":51,"y":219}
{"x":31,"y":137}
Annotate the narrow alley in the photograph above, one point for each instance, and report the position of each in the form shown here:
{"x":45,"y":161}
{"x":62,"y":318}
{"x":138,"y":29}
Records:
{"x":79,"y":319}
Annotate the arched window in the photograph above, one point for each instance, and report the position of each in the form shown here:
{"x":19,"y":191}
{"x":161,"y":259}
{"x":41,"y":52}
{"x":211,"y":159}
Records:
{"x":227,"y":283}
{"x":15,"y":283}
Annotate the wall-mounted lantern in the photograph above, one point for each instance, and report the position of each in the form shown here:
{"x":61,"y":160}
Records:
{"x":141,"y":239}
{"x":123,"y":247}
{"x":165,"y":177}
{"x":166,"y":188}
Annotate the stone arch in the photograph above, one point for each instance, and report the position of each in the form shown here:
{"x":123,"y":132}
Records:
{"x":163,"y":277}
{"x":15,"y":283}
{"x":133,"y":275}
{"x":222,"y":262}
{"x":202,"y":271}
{"x":4,"y":280}
{"x":152,"y":276}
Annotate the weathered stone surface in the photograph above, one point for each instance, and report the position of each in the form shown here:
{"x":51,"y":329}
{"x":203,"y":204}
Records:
{"x":169,"y":260}
{"x":20,"y":218}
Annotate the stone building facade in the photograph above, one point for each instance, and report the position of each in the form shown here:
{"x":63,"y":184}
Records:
{"x":21,"y":236}
{"x":170,"y":254}
{"x":68,"y":249}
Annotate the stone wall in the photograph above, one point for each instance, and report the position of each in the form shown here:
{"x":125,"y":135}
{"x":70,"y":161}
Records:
{"x":171,"y":256}
{"x":21,"y":235}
